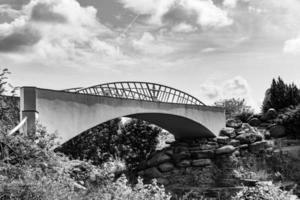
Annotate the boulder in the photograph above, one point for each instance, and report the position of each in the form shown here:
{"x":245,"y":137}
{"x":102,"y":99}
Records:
{"x":228,"y":132}
{"x":258,"y":146}
{"x":203,"y":154}
{"x":165,"y":167}
{"x":152,"y":172}
{"x":277,"y":131}
{"x":184,"y":163}
{"x":158,"y":158}
{"x":254,"y":122}
{"x":201,"y":162}
{"x":228,"y":149}
{"x":248,"y":138}
{"x":163,"y":181}
{"x":234,"y":123}
{"x":243,"y":146}
{"x":234,"y":142}
{"x":223,"y":140}
{"x":270,"y":114}
{"x":209,"y":146}
{"x":181,"y":153}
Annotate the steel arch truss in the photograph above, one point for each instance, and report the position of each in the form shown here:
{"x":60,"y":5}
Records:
{"x":143,"y":91}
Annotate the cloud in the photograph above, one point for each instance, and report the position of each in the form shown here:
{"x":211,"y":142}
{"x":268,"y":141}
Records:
{"x":44,"y":12}
{"x":57,"y":29}
{"x":207,"y":13}
{"x":19,"y":38}
{"x":184,"y":28}
{"x":236,"y":87}
{"x":292,"y":46}
{"x":148,"y":44}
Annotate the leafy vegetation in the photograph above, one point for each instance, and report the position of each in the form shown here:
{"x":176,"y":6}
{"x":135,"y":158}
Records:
{"x":132,"y":141}
{"x":235,"y":107}
{"x":281,"y":95}
{"x":30,"y":169}
{"x":264,"y":191}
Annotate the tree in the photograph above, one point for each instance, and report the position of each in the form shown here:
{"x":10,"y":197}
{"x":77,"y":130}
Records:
{"x":131,"y":142}
{"x":9,"y":105}
{"x":234,"y":106}
{"x":281,"y":95}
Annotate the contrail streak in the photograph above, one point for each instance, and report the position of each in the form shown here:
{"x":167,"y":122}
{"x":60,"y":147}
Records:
{"x":130,"y":25}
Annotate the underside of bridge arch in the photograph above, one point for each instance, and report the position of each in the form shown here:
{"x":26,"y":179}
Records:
{"x":180,"y":127}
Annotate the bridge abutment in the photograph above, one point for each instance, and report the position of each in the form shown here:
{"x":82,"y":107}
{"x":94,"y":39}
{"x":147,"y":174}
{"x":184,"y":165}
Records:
{"x":28,"y":108}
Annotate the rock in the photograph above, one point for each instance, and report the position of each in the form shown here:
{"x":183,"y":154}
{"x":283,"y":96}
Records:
{"x":258,"y":146}
{"x":152,"y":172}
{"x":225,"y":150}
{"x":277,"y":131}
{"x":248,"y":138}
{"x":234,"y":142}
{"x":270,"y":114}
{"x":209,"y":146}
{"x":201,"y":162}
{"x":244,"y":146}
{"x":158,"y":158}
{"x":223,"y":140}
{"x":181,"y":153}
{"x":163,"y":181}
{"x":169,"y":152}
{"x":203,"y":154}
{"x":254,"y":122}
{"x":184,"y":163}
{"x":234,"y":123}
{"x":228,"y":131}
{"x":165,"y":167}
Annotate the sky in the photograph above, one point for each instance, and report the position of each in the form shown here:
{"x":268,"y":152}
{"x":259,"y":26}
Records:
{"x":212,"y":49}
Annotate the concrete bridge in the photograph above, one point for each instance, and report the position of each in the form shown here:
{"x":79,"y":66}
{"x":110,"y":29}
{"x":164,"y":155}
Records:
{"x":73,"y":111}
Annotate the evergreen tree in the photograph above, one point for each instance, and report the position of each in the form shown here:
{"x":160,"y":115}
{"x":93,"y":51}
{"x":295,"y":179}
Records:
{"x":281,"y":95}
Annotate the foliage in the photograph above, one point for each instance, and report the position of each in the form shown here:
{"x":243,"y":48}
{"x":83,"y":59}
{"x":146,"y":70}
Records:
{"x":281,"y":95}
{"x":234,"y":107}
{"x":290,"y":119}
{"x":131,"y":142}
{"x":30,"y":169}
{"x":264,"y":191}
{"x":9,"y":105}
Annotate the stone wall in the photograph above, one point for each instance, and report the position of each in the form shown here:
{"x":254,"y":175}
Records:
{"x":214,"y":167}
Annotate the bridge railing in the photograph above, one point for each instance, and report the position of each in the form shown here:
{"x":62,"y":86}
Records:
{"x":140,"y":91}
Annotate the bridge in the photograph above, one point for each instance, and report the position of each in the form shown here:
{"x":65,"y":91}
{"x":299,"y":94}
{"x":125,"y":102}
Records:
{"x":73,"y":111}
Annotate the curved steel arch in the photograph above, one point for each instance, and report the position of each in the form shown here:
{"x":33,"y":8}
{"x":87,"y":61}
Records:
{"x":143,"y":91}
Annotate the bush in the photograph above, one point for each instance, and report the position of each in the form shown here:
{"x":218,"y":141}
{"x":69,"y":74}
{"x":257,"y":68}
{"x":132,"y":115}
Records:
{"x":234,"y":107}
{"x":30,"y":169}
{"x":280,"y":95}
{"x":264,"y":191}
{"x":132,"y":142}
{"x":290,"y":119}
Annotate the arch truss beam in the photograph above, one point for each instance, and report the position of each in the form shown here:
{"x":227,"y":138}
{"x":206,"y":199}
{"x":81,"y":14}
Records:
{"x":142,"y":91}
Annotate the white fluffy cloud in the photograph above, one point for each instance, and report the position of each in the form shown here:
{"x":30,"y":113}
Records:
{"x":207,"y":13}
{"x":236,"y":87}
{"x":184,"y":28}
{"x":56,"y":29}
{"x":292,"y":46}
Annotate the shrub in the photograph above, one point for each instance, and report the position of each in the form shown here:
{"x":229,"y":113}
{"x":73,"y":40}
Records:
{"x":290,"y":119}
{"x":234,"y":107}
{"x":29,"y":169}
{"x":280,"y":95}
{"x":132,"y":142}
{"x":264,"y":191}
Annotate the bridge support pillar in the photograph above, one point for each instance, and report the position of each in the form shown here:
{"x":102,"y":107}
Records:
{"x":28,"y":108}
